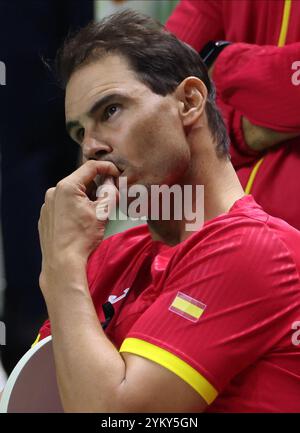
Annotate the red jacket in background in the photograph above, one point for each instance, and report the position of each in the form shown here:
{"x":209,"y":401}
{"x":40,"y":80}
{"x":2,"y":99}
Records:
{"x":256,"y":77}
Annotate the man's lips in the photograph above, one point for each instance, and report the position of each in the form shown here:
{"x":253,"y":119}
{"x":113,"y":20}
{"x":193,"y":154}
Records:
{"x":121,"y":170}
{"x":119,"y":166}
{"x":99,"y":179}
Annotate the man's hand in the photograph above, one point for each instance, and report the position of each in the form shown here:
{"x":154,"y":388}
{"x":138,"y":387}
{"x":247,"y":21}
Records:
{"x":71,"y":224}
{"x":259,"y":138}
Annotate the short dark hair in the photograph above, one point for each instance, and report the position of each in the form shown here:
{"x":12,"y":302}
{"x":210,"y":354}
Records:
{"x":159,"y":59}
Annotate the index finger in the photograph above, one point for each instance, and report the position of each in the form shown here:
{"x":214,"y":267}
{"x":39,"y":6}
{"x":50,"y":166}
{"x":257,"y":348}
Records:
{"x":90,"y":169}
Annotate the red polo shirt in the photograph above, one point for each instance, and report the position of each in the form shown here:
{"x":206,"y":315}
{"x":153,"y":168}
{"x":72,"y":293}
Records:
{"x":219,"y":310}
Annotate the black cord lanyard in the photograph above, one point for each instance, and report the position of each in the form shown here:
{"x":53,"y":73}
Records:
{"x":109,"y":312}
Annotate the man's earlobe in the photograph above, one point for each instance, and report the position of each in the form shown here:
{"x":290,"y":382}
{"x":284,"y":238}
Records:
{"x":191,"y":94}
{"x":192,"y":108}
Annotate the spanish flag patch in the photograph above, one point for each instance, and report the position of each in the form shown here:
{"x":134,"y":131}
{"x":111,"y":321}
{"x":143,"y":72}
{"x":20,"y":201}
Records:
{"x":187,"y":307}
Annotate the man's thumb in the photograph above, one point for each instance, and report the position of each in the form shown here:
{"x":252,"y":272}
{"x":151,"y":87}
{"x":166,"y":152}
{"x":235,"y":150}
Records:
{"x":107,"y":198}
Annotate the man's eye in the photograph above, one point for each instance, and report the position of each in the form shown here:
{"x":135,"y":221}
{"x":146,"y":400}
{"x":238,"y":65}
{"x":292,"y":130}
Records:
{"x":110,"y":111}
{"x":80,"y":134}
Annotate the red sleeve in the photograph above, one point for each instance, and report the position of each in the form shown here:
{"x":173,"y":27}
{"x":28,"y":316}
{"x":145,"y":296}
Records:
{"x":239,"y":270}
{"x":258,"y":81}
{"x":197,"y":22}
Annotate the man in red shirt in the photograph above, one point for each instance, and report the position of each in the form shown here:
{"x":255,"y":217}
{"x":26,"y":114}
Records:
{"x":258,"y":90}
{"x":204,"y":320}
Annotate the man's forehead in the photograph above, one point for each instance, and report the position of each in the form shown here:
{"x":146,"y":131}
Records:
{"x":110,"y":73}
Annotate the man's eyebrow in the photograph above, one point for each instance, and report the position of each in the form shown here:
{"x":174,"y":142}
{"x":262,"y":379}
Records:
{"x":103,"y":101}
{"x":95,"y":107}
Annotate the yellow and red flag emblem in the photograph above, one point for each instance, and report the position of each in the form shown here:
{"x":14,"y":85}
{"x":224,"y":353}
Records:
{"x":187,"y":307}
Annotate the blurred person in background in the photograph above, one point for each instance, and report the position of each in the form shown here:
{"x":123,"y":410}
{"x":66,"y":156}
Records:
{"x":257,"y":78}
{"x":159,"y":10}
{"x":35,"y":148}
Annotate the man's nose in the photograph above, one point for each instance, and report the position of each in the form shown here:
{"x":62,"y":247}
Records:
{"x":94,"y":149}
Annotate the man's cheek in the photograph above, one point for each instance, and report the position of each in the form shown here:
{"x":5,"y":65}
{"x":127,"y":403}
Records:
{"x":141,"y":144}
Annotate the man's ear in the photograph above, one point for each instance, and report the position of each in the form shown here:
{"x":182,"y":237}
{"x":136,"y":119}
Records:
{"x":191,"y":94}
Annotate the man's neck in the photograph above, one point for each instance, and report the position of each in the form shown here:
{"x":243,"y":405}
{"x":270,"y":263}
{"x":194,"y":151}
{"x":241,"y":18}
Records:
{"x":221,"y":190}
